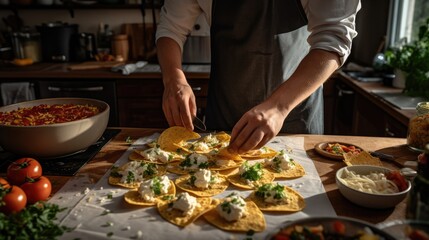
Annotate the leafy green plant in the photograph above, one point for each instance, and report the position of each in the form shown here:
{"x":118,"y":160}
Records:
{"x":413,"y":58}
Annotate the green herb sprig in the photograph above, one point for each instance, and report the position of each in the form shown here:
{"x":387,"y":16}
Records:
{"x":36,"y":222}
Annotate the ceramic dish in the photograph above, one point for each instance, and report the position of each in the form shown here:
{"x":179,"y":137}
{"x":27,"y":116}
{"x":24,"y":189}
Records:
{"x":54,"y":140}
{"x":330,"y":224}
{"x":320,"y":148}
{"x":406,"y":229}
{"x":365,"y":199}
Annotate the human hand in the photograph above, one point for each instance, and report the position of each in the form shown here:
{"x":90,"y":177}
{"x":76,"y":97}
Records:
{"x":255,"y":128}
{"x":179,"y":106}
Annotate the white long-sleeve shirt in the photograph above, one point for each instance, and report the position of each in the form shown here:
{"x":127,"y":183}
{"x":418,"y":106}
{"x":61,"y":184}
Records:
{"x":331,"y":23}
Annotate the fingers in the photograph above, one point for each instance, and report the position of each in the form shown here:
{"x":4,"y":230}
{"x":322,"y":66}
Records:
{"x":254,"y":130}
{"x":178,"y":106}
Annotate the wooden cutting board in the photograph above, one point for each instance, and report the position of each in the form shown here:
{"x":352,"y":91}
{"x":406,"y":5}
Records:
{"x":94,"y":65}
{"x":137,"y":37}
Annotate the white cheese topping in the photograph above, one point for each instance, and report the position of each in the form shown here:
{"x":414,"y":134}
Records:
{"x":154,"y":154}
{"x":201,"y":146}
{"x":134,"y":171}
{"x":202,"y":178}
{"x":281,"y":162}
{"x":185,"y":203}
{"x":195,"y":161}
{"x":156,"y":186}
{"x":232,"y":208}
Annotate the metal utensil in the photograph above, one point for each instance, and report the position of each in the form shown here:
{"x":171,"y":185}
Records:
{"x":198,"y":123}
{"x":383,"y":156}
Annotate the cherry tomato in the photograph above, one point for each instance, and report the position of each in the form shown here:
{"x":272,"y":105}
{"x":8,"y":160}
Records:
{"x":4,"y":183}
{"x":13,"y":200}
{"x":339,"y":227}
{"x":23,"y":168}
{"x":37,"y":189}
{"x":398,"y":179}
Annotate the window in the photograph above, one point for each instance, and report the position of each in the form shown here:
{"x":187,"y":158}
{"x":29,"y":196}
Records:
{"x":406,"y":16}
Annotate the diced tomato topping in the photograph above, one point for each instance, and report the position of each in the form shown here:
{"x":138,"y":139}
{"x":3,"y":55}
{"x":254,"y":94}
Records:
{"x":398,"y":179}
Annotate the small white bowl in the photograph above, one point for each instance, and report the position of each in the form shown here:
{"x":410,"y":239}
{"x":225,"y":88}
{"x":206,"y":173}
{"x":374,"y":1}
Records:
{"x":369,"y":200}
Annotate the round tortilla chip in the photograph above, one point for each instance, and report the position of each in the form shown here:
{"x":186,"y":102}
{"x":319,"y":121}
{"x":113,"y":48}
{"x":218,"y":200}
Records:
{"x":221,"y":165}
{"x":295,"y":202}
{"x":236,"y":180}
{"x":294,"y":172}
{"x":117,"y":180}
{"x":175,"y":168}
{"x":133,"y":196}
{"x":175,"y":135}
{"x":362,"y":158}
{"x":136,"y":156}
{"x":254,"y":220}
{"x":176,"y":216}
{"x":221,"y":185}
{"x":263,"y":152}
{"x":225,"y":154}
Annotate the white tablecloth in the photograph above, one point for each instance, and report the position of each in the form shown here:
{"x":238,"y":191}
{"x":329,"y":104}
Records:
{"x":95,"y":216}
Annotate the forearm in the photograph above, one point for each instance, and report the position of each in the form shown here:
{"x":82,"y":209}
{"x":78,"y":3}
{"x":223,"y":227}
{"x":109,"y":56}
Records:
{"x":311,"y":73}
{"x":170,"y":61}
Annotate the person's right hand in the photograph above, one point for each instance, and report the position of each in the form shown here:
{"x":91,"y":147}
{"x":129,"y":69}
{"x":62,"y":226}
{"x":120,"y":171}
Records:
{"x":179,"y":105}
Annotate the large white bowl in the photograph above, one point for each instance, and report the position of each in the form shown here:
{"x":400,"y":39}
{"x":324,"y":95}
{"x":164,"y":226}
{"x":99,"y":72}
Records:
{"x":369,"y":200}
{"x":54,"y":140}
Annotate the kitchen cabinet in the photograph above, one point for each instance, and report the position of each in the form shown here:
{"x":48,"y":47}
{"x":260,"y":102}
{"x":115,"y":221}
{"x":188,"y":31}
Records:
{"x":371,"y":120}
{"x":140,"y":101}
{"x":358,"y":111}
{"x":82,"y":88}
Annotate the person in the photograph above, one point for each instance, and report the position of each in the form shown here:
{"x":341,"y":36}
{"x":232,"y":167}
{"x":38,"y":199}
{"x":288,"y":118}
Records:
{"x":269,"y":60}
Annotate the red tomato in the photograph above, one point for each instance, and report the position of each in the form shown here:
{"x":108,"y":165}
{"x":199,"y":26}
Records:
{"x":398,"y":179}
{"x":23,"y":168}
{"x":4,"y":183}
{"x":339,"y":227}
{"x":37,"y":189}
{"x":14,"y":200}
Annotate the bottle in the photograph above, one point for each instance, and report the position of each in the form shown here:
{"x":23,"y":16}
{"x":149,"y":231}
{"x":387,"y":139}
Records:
{"x":104,"y":38}
{"x":418,"y":198}
{"x":418,"y":134}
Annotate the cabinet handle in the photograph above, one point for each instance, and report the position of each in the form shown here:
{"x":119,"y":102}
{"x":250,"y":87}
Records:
{"x":388,"y":132}
{"x":80,"y":89}
{"x":196,"y":88}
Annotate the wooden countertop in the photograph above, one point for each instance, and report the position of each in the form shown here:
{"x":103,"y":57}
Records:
{"x":60,"y":71}
{"x":112,"y":151}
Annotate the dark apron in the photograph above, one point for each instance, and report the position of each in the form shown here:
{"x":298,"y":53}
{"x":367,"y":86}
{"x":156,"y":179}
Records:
{"x":246,"y":65}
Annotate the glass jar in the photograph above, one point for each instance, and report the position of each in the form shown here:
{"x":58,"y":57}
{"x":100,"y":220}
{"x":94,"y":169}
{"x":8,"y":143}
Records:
{"x":27,"y":45}
{"x":418,"y":128}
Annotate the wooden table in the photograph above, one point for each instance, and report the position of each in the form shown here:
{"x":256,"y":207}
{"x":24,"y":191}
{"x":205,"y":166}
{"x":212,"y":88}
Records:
{"x":102,"y":162}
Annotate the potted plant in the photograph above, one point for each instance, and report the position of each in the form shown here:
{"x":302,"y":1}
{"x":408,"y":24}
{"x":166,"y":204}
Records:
{"x":413,"y":62}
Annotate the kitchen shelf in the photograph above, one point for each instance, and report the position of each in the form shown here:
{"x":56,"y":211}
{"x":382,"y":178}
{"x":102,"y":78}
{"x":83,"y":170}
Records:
{"x":74,"y":6}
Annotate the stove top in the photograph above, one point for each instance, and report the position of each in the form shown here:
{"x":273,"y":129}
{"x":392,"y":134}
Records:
{"x":63,"y":166}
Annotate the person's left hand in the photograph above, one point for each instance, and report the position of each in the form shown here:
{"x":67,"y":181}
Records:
{"x":255,"y":128}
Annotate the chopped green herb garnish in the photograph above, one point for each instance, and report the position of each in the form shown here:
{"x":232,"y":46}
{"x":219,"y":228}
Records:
{"x":252,"y":173}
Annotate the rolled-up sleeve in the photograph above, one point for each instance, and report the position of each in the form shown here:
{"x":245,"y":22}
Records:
{"x":331,"y":24}
{"x":177,"y":19}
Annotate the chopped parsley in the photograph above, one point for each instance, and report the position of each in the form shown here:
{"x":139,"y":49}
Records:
{"x":130,"y":177}
{"x":151,"y":169}
{"x":157,"y":186}
{"x":266,"y":190}
{"x":115,"y":172}
{"x":252,"y":173}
